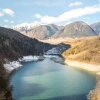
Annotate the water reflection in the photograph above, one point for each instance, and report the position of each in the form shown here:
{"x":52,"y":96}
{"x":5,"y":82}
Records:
{"x":75,"y":97}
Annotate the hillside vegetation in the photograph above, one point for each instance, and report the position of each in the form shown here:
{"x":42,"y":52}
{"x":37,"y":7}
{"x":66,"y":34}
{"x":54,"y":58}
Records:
{"x":84,"y":50}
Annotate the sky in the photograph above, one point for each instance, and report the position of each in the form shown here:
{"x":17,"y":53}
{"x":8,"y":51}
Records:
{"x":59,"y":12}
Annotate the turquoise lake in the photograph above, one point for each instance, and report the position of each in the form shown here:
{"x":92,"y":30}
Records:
{"x":49,"y":80}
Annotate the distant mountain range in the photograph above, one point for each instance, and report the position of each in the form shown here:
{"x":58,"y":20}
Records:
{"x":72,"y":30}
{"x":75,"y":30}
{"x":39,"y":32}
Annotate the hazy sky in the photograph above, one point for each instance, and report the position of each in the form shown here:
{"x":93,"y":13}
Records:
{"x":60,"y":12}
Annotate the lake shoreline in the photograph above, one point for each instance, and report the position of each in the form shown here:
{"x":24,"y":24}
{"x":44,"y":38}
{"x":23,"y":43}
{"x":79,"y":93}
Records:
{"x":32,"y":73}
{"x":86,"y":66}
{"x":15,"y":64}
{"x":93,"y":94}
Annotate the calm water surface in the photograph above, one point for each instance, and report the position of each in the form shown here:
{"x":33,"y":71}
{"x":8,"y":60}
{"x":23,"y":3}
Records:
{"x":48,"y":80}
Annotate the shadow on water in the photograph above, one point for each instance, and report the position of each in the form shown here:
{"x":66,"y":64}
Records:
{"x":31,"y":90}
{"x":74,"y":97}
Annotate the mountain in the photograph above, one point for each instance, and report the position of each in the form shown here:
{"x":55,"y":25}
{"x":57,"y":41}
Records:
{"x":96,"y":27}
{"x":14,"y":43}
{"x":75,"y":30}
{"x":39,"y":32}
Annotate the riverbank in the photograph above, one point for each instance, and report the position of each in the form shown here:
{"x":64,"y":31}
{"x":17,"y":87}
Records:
{"x":95,"y":94}
{"x":86,"y":66}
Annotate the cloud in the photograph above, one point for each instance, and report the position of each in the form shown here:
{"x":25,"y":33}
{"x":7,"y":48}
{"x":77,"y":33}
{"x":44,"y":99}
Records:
{"x":38,"y":16}
{"x":8,"y":11}
{"x":65,"y":17}
{"x":73,"y":4}
{"x":69,"y":15}
{"x":28,"y":25}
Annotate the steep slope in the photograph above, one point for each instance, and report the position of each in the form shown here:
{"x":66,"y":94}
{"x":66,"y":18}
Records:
{"x":75,"y":30}
{"x":14,"y":43}
{"x":39,"y":32}
{"x":96,"y":27}
{"x":85,"y":50}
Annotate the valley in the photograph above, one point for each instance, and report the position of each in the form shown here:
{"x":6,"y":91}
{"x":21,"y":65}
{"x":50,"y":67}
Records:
{"x":78,"y":44}
{"x":49,"y":50}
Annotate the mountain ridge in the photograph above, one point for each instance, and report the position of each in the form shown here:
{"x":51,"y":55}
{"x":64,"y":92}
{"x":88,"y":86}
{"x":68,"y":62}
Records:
{"x":73,"y":30}
{"x":39,"y":32}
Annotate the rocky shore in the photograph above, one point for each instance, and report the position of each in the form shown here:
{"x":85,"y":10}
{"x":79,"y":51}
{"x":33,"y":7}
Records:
{"x":95,"y":94}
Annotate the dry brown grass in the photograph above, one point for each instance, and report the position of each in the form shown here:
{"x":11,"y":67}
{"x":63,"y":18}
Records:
{"x":84,"y":50}
{"x":58,"y":40}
